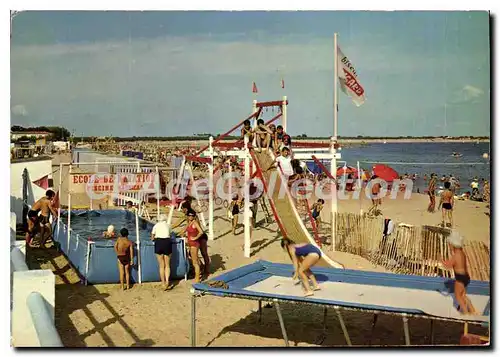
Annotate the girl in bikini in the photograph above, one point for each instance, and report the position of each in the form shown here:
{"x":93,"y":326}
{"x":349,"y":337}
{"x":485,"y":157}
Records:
{"x":303,"y":256}
{"x":197,"y":241}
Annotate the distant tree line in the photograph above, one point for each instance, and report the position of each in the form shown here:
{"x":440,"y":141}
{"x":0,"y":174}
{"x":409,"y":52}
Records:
{"x":58,"y":133}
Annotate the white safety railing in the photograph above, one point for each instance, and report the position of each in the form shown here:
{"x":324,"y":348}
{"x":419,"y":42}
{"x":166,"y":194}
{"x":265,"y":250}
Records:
{"x":32,"y":300}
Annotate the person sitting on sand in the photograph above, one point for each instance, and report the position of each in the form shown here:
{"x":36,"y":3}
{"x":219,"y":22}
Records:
{"x":110,"y":232}
{"x":163,"y":249}
{"x":376,"y":200}
{"x":316,"y":211}
{"x":431,"y":191}
{"x":304,"y":256}
{"x":197,"y":241}
{"x":446,"y":202}
{"x":263,"y":138}
{"x":247,"y":130}
{"x":458,"y":262}
{"x":125,"y":253}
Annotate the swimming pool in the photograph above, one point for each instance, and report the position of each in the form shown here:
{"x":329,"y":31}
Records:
{"x":94,"y":256}
{"x":93,"y":223}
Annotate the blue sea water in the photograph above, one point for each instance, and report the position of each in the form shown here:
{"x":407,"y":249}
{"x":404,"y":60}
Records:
{"x":424,"y":158}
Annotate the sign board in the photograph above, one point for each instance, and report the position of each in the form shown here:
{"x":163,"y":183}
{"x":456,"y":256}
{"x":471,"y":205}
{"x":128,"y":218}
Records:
{"x":103,"y":183}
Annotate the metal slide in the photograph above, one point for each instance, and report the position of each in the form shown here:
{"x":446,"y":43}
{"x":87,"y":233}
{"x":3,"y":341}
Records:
{"x":286,"y":212}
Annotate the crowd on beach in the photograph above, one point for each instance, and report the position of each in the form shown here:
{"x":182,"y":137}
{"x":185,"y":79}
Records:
{"x":302,"y":255}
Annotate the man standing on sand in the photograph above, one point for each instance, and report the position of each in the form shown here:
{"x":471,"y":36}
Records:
{"x":376,"y":200}
{"x":446,"y":202}
{"x":431,"y":191}
{"x":45,"y":208}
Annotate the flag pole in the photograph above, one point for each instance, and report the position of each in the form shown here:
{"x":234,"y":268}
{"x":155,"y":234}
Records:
{"x":333,"y":151}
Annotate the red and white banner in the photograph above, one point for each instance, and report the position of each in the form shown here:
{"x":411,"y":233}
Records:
{"x":348,"y":79}
{"x":113,"y":183}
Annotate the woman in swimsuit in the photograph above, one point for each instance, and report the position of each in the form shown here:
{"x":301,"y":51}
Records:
{"x":446,"y":202}
{"x":303,"y":256}
{"x":197,"y":241}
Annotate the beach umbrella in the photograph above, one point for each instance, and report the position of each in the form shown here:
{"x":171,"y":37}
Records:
{"x":349,"y":170}
{"x":385,"y":172}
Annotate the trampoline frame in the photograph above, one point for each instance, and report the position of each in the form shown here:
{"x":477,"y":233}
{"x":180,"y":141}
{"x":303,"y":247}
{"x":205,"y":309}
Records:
{"x":198,"y":292}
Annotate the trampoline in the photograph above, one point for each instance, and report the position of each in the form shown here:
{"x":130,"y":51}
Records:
{"x":94,"y":256}
{"x":404,"y":295}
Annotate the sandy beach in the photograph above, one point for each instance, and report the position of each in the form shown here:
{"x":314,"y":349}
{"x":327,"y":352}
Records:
{"x":103,"y":315}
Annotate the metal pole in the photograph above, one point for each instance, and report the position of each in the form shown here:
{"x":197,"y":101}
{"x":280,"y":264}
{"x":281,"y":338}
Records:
{"x":193,"y":319}
{"x":335,"y":88}
{"x":211,"y":190}
{"x":406,"y":329}
{"x":282,"y":324}
{"x":87,"y":261}
{"x":59,"y":208}
{"x":333,"y":202}
{"x":158,"y":193}
{"x":69,"y":208}
{"x":360,"y":187}
{"x":138,"y":242}
{"x":246,"y":187}
{"x":432,"y":332}
{"x":283,"y":117}
{"x":342,"y":325}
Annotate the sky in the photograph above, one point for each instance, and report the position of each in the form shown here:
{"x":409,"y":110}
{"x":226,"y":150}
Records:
{"x":180,"y":73}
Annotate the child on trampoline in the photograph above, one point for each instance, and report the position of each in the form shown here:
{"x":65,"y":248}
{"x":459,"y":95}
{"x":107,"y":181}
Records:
{"x":303,"y":256}
{"x":125,"y":253}
{"x":458,"y":262}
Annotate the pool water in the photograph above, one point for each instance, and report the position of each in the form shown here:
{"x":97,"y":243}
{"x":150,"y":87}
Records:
{"x":92,"y":224}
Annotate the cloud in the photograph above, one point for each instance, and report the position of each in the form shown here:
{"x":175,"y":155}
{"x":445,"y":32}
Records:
{"x":180,"y":85}
{"x":467,"y":94}
{"x":19,"y":110}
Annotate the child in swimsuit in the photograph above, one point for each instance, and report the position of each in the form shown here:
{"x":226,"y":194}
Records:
{"x":125,"y":254}
{"x":263,"y":135}
{"x":247,"y":131}
{"x":197,"y":241}
{"x":303,"y":256}
{"x":234,"y":209}
{"x":458,"y":263}
{"x":316,"y":210}
{"x":446,"y":202}
{"x":110,"y":232}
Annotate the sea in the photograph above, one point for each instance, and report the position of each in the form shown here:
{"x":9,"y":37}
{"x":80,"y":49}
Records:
{"x":424,"y":158}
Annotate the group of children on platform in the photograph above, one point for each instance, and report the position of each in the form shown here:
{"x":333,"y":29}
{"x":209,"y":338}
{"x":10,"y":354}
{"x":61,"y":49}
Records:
{"x":266,"y":136}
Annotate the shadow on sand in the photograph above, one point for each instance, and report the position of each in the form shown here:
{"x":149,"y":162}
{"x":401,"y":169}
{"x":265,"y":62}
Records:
{"x":70,"y":288}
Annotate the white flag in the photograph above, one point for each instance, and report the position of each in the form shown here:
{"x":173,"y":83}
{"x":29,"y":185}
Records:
{"x":348,"y":79}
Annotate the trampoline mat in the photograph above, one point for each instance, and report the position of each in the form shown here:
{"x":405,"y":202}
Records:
{"x":377,"y":297}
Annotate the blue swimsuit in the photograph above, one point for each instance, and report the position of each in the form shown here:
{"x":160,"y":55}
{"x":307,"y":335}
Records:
{"x":306,"y":250}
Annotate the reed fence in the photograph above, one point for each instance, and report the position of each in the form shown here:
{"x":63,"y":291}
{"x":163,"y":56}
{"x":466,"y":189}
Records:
{"x":416,"y":250}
